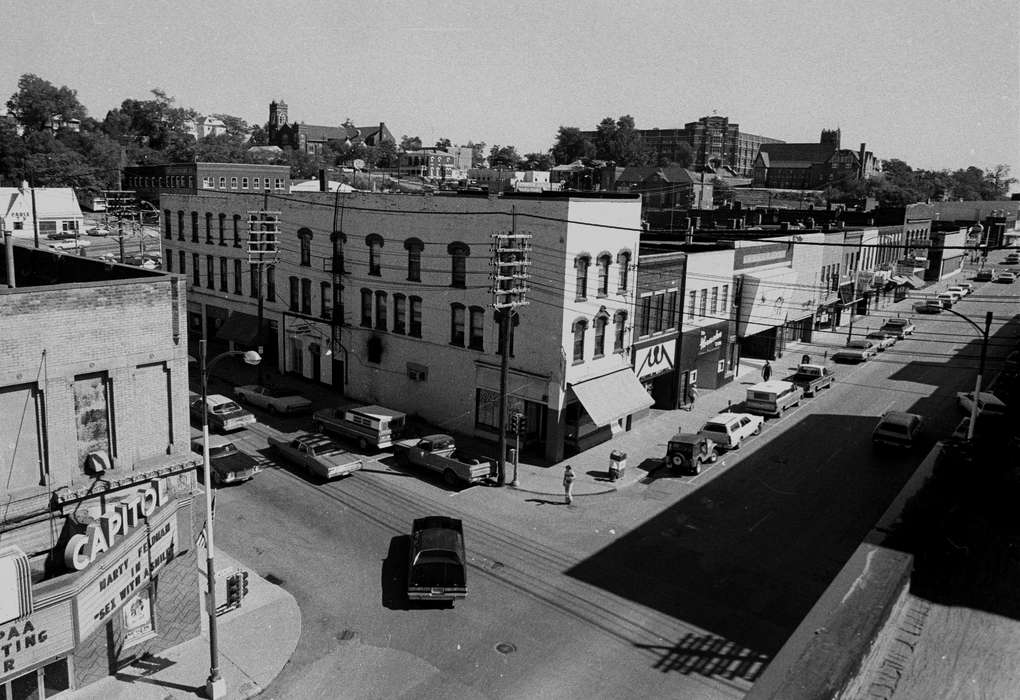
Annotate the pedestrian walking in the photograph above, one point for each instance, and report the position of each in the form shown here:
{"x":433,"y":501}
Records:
{"x":568,"y":484}
{"x":692,"y":395}
{"x":766,"y":371}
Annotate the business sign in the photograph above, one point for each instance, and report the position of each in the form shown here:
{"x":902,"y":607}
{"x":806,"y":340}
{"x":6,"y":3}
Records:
{"x":137,"y":618}
{"x":117,"y":519}
{"x":30,"y":640}
{"x":145,"y":555}
{"x":654,"y":359}
{"x":709,"y":340}
{"x":750,"y":256}
{"x":15,"y":584}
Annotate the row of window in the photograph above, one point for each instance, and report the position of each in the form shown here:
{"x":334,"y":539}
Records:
{"x":583,"y":262}
{"x":705,"y":303}
{"x":580,"y":331}
{"x":214,"y":272}
{"x":258,"y":184}
{"x":181,"y":181}
{"x":406,"y":313}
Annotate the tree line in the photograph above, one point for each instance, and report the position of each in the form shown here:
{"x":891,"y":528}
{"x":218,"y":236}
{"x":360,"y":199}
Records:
{"x":154,"y":131}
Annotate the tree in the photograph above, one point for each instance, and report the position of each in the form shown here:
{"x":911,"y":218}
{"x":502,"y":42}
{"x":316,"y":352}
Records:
{"x":477,"y":154}
{"x":13,"y":152}
{"x":571,"y":145}
{"x":236,"y":126}
{"x":504,"y":157}
{"x":222,"y":148}
{"x":410,"y":143}
{"x":151,"y":122}
{"x":259,"y":135}
{"x":537,"y":161}
{"x":620,"y":141}
{"x":444,"y":144}
{"x":38,"y":100}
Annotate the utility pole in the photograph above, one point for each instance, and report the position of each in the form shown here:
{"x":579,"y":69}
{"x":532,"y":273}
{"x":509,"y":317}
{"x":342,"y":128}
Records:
{"x":263,"y":237}
{"x":510,"y":261}
{"x":337,"y":272}
{"x":121,"y":205}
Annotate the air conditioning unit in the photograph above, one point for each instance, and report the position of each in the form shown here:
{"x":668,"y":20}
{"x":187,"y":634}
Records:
{"x":97,"y":463}
{"x":416,"y":372}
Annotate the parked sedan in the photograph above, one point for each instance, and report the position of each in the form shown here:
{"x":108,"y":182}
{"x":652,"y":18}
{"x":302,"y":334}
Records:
{"x":317,"y":454}
{"x":900,"y":327}
{"x":856,"y":351}
{"x":272,"y":399}
{"x":988,"y":403}
{"x":227,"y":464}
{"x":224,"y":414}
{"x":929,"y":306}
{"x":881,"y":339}
{"x":1006,"y":278}
{"x":959,"y":290}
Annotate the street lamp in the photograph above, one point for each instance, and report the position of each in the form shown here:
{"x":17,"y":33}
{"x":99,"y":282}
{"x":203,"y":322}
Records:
{"x":215,"y":686}
{"x":981,"y":366}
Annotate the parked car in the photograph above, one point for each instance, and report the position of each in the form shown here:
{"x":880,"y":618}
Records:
{"x":881,"y":339}
{"x":968,"y":286}
{"x":773,"y":397}
{"x":61,"y":235}
{"x":374,"y":426}
{"x":224,"y":414}
{"x":986,"y":274}
{"x":439,"y":453}
{"x":988,"y":403}
{"x":947,"y":300}
{"x":436,"y":561}
{"x":855,"y":351}
{"x":929,"y":306}
{"x":227,"y":464}
{"x":688,"y":452}
{"x":900,"y":327}
{"x":1006,"y":277}
{"x":98,"y":231}
{"x":1012,"y":259}
{"x":728,"y":430}
{"x":959,"y":290}
{"x":272,"y":399}
{"x":317,"y":454}
{"x":898,"y":429}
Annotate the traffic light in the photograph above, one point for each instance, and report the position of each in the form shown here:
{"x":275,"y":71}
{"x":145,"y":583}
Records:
{"x":517,"y":422}
{"x":244,"y":585}
{"x":521,"y":422}
{"x":234,"y":593}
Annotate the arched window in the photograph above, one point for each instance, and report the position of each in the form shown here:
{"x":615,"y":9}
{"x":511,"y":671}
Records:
{"x":366,"y":308}
{"x":623,"y":260}
{"x":414,"y":328}
{"x":414,"y":247}
{"x":601,"y":321}
{"x":604,"y":260}
{"x":325,"y":300}
{"x":457,"y":324}
{"x":306,"y":296}
{"x":194,"y":227}
{"x":399,"y":313}
{"x":380,"y":311}
{"x":208,"y":228}
{"x":459,"y":253}
{"x":167,"y":224}
{"x":581,"y":264}
{"x":237,"y":230}
{"x":620,"y":329}
{"x":223,"y":229}
{"x":579,"y":328}
{"x":375,"y":243}
{"x":476,"y":339}
{"x":180,"y":225}
{"x":305,"y":235}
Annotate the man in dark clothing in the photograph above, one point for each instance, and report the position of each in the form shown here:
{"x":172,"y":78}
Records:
{"x":766,"y":371}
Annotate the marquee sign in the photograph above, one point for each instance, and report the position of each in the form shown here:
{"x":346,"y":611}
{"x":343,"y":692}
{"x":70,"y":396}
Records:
{"x":15,"y":583}
{"x":30,"y":640}
{"x":654,"y":359}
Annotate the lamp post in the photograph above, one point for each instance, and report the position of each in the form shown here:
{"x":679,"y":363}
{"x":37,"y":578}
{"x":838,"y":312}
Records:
{"x":981,"y":367}
{"x":215,"y":686}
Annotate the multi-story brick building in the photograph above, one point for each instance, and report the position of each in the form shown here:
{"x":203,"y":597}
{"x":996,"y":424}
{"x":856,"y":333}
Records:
{"x":99,"y":562}
{"x":430,"y":163}
{"x":149,"y":181}
{"x":803,"y":166}
{"x":418,"y":332}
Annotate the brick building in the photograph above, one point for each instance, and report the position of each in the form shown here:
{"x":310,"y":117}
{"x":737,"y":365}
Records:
{"x":98,"y":557}
{"x":418,"y":332}
{"x":148,"y":181}
{"x":804,"y":166}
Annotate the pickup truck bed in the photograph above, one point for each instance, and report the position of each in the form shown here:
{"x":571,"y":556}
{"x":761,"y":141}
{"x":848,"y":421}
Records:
{"x":438,"y":453}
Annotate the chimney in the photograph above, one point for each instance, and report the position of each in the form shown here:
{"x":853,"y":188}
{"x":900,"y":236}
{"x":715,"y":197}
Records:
{"x":323,"y":182}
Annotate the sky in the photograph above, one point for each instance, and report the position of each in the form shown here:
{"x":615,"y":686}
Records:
{"x":934,"y":83}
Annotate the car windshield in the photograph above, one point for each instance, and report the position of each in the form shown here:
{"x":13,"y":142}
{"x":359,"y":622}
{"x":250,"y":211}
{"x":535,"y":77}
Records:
{"x":893,"y":428}
{"x":715,"y":427}
{"x":225,"y":407}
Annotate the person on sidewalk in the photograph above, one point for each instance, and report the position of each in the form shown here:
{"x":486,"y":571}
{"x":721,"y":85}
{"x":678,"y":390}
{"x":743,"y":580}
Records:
{"x":568,"y":484}
{"x":766,"y":371}
{"x":692,"y":395}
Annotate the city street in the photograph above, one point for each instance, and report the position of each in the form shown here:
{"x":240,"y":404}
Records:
{"x":672,"y":587}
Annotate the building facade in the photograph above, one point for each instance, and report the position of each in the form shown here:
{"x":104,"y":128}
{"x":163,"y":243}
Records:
{"x":414,"y":328}
{"x":55,"y":208}
{"x":149,"y":181}
{"x":99,"y":560}
{"x":430,"y":164}
{"x":314,"y":139}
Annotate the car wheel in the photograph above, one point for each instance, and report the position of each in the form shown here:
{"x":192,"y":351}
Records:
{"x":363,"y":444}
{"x":678,"y":461}
{"x":757,"y":430}
{"x":697,"y":467}
{"x":449,"y":477}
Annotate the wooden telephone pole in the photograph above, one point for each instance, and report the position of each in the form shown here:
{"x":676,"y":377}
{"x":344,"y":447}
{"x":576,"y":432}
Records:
{"x":263,"y":250}
{"x":510,"y":260}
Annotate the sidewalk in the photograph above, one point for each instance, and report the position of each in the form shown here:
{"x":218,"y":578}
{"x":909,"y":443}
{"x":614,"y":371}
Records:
{"x":254,"y":641}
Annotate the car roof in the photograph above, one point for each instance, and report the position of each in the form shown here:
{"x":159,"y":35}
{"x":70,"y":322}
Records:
{"x":214,"y":440}
{"x":689,"y":438}
{"x":776,"y":385}
{"x":377,"y":411}
{"x":217,"y":399}
{"x":900,"y":417}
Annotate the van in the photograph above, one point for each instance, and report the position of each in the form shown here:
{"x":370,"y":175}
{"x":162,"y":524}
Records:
{"x":898,"y":429}
{"x":773,"y":397}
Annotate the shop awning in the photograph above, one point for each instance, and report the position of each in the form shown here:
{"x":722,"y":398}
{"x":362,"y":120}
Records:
{"x":239,"y":327}
{"x":612,"y":396}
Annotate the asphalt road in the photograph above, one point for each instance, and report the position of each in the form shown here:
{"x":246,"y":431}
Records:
{"x":674,"y":588}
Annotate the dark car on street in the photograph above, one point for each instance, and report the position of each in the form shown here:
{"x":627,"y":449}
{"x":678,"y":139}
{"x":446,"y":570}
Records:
{"x":688,"y":452}
{"x":437,"y":564}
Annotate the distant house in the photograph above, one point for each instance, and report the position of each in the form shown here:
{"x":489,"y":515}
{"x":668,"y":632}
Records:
{"x":57,"y":122}
{"x":805,"y":166}
{"x":205,"y":126}
{"x":669,"y":187}
{"x":56,"y":209}
{"x":430,"y":164}
{"x":314,"y":139}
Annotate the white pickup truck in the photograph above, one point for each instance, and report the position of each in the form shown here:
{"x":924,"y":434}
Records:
{"x":439,"y":454}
